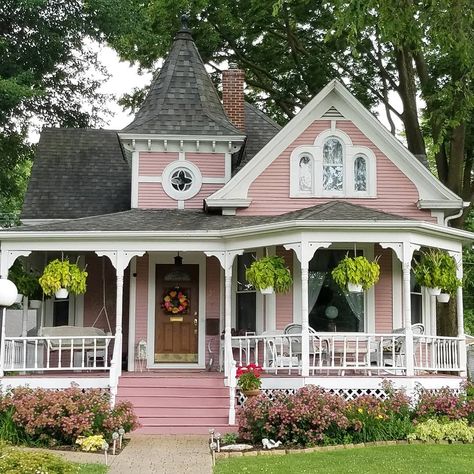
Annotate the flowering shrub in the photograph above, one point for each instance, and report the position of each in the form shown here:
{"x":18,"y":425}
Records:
{"x":59,"y":417}
{"x":249,"y":377}
{"x":435,"y":430}
{"x":445,"y":404}
{"x":372,"y":419}
{"x":303,"y":418}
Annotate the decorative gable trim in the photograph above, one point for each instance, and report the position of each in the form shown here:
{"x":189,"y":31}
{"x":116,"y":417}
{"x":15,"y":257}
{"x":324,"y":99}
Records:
{"x":335,"y":95}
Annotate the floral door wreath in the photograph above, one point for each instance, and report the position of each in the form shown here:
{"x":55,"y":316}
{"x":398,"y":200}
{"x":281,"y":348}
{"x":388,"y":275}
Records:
{"x":175,"y":301}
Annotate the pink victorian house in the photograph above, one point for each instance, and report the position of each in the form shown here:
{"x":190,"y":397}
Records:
{"x":168,"y":212}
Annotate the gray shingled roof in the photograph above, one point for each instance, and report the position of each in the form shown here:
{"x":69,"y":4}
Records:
{"x":77,"y":173}
{"x":259,"y":129}
{"x":154,"y":220}
{"x":182,"y":99}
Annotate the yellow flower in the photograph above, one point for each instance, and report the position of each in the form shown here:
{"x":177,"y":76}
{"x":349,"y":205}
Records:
{"x":360,"y":410}
{"x":379,"y":417}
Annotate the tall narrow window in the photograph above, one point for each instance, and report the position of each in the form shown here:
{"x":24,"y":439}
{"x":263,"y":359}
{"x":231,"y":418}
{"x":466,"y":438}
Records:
{"x":360,"y":174}
{"x":246,"y":296}
{"x":333,"y":165}
{"x":305,"y":174}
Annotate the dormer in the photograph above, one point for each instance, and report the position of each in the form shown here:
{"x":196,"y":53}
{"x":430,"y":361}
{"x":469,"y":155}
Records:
{"x":181,"y":141}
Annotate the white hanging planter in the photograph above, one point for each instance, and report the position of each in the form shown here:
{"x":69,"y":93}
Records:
{"x":35,"y":304}
{"x":266,"y":291}
{"x":434,"y":291}
{"x":19,"y":298}
{"x":61,"y":294}
{"x":354,"y":288}
{"x":443,"y":297}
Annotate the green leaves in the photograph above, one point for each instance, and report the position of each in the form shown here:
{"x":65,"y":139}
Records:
{"x":270,"y":272}
{"x":358,"y":271}
{"x":63,"y":274}
{"x":437,"y":269}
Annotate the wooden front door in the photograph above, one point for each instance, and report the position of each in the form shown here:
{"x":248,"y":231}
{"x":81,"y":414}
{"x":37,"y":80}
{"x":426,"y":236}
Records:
{"x":176,"y":330}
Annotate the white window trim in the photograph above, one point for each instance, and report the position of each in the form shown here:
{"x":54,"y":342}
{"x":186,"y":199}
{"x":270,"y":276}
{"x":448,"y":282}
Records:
{"x":195,"y":185}
{"x":350,"y":153}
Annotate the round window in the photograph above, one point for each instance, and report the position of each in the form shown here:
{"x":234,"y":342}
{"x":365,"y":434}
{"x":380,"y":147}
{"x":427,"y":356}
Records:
{"x":181,"y":180}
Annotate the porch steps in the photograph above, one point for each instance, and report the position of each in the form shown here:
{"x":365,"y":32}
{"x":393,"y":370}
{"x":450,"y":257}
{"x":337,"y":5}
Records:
{"x":183,"y":403}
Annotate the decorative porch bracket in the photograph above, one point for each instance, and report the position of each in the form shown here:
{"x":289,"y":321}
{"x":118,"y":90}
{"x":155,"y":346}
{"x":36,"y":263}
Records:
{"x":226,"y":259}
{"x":304,"y":252}
{"x":7,"y":259}
{"x":120,"y":260}
{"x":460,"y":314}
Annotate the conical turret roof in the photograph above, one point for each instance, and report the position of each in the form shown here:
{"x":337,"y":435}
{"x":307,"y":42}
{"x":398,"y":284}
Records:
{"x":182,"y":99}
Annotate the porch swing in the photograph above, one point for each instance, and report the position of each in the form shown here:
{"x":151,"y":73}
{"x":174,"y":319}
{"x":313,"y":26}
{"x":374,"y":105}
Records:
{"x":95,"y":351}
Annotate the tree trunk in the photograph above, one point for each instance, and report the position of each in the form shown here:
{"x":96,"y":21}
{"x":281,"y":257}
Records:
{"x":407,"y":91}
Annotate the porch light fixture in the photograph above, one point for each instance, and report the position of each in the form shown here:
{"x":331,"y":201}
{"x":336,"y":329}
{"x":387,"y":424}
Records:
{"x":177,"y":274}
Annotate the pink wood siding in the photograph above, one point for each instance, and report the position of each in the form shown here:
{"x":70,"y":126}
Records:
{"x":153,"y":164}
{"x":213,"y":306}
{"x":93,"y":295}
{"x":141,"y":300}
{"x":210,"y":164}
{"x":284,"y":301}
{"x":152,"y":196}
{"x":395,"y":192}
{"x":384,"y":292}
{"x":197,"y":201}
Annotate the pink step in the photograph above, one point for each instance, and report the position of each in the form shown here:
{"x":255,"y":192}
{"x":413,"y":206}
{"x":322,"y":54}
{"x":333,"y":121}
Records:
{"x":171,"y":391}
{"x":174,"y":421}
{"x":196,"y":429}
{"x":176,"y":402}
{"x":182,"y":412}
{"x":205,"y":382}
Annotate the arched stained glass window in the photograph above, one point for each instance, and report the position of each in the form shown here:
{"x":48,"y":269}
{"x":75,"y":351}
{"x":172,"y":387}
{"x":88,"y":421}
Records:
{"x":360,"y":173}
{"x":305,"y":174}
{"x":333,"y":165}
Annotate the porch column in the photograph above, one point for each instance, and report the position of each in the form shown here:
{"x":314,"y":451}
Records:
{"x":408,"y":250}
{"x":460,"y":315}
{"x":7,"y":258}
{"x":120,"y":260}
{"x":226,"y":259}
{"x":305,"y":251}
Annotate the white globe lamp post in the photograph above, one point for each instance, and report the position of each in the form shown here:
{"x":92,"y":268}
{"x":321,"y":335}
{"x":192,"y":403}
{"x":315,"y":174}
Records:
{"x":8,"y":294}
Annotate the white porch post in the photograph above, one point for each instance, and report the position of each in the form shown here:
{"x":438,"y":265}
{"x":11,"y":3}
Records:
{"x":460,"y":315}
{"x":226,"y":259}
{"x":7,"y":258}
{"x":305,"y":251}
{"x":120,"y":261}
{"x":408,"y":250}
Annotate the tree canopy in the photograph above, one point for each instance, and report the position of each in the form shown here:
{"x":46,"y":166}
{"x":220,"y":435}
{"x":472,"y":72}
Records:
{"x":43,"y":80}
{"x":417,"y":49}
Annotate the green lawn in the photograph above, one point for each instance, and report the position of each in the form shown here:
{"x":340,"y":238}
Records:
{"x":92,"y":469}
{"x":404,"y":459}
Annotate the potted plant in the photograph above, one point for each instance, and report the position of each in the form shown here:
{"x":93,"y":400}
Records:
{"x":436,"y":271}
{"x":356,"y":273}
{"x":269,"y":273}
{"x":248,"y":379}
{"x":61,"y":277}
{"x":27,"y":284}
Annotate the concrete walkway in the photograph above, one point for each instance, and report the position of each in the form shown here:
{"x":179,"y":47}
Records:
{"x":152,"y":454}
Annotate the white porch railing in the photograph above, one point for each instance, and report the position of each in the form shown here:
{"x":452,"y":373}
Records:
{"x":338,"y":353}
{"x":433,"y":353}
{"x":57,"y":353}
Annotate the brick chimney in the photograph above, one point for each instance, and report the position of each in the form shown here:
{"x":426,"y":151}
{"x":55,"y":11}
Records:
{"x":233,"y":95}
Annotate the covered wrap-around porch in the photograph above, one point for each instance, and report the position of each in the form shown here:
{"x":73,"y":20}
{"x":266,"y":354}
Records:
{"x":403,"y":351}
